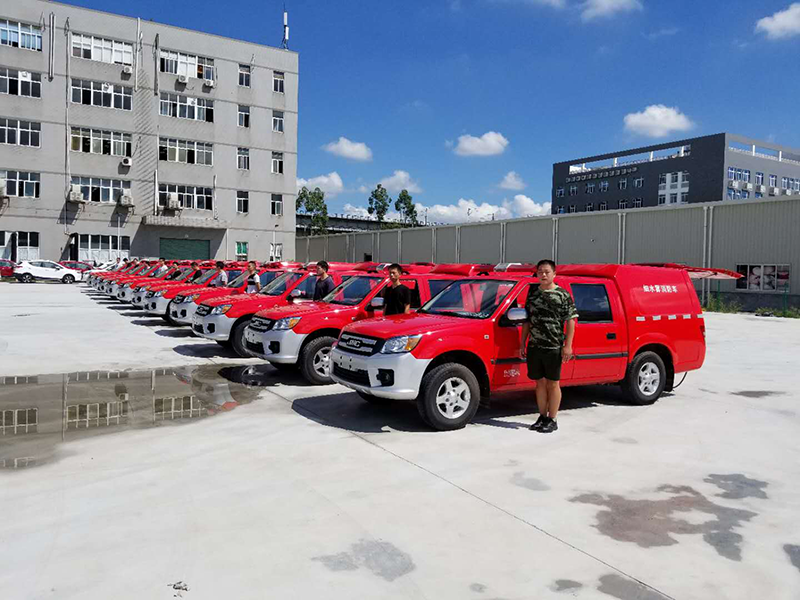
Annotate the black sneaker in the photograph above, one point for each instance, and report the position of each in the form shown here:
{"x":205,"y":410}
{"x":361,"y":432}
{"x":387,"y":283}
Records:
{"x":549,"y":427}
{"x":540,"y":422}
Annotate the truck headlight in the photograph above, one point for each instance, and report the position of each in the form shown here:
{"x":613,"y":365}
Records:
{"x":192,"y":298}
{"x":221,"y":310}
{"x":400,"y":344}
{"x":158,"y":294}
{"x":287,"y":323}
{"x":127,"y":285}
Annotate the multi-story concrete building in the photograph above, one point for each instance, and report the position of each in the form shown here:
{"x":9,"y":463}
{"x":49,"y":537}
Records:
{"x":703,"y":169}
{"x":120,"y":136}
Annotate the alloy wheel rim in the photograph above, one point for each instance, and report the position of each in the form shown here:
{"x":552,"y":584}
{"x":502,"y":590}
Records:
{"x":322,"y":362}
{"x":453,"y":398}
{"x":649,"y":379}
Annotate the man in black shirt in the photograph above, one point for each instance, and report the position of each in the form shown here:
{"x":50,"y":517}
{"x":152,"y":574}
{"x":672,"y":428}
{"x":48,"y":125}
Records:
{"x":396,"y":297}
{"x":324,"y":285}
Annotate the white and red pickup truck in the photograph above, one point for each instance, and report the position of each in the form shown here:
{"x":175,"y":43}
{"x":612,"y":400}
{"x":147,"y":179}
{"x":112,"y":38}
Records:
{"x":638,"y":326}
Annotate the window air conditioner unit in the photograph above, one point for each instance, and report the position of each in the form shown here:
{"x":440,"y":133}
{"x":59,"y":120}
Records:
{"x":209,"y":83}
{"x":127,"y":162}
{"x":183,"y":79}
{"x":127,"y":70}
{"x":788,"y":192}
{"x":172,"y":201}
{"x":733,"y":184}
{"x":75,"y":194}
{"x":747,"y":186}
{"x":773,"y":191}
{"x":125,"y":198}
{"x":761,"y":188}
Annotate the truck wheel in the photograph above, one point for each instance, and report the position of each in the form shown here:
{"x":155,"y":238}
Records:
{"x":645,"y":379}
{"x":237,"y":339}
{"x":27,"y":278}
{"x":68,"y":279}
{"x":315,"y":360}
{"x":449,"y":397}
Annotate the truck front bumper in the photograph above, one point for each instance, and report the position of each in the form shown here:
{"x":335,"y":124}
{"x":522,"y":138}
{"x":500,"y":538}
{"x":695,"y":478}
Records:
{"x":183,"y":313}
{"x":125,"y":294}
{"x":393,"y":376}
{"x":213,"y":327}
{"x":156,"y":306}
{"x":275,"y":346}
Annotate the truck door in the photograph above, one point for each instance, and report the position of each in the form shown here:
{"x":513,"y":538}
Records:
{"x":600,"y":342}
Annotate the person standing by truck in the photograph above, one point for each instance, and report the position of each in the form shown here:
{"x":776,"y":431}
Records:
{"x":550,"y":311}
{"x":253,"y":282}
{"x":396,"y":297}
{"x":220,"y":277}
{"x":324,"y":285}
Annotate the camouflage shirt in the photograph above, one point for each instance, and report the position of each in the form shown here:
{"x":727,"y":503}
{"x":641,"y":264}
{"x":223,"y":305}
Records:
{"x":548,"y":312}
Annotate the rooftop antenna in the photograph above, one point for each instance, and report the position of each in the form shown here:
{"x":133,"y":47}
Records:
{"x":285,"y":43}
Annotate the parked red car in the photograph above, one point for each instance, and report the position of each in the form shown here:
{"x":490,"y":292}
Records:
{"x":7,"y":267}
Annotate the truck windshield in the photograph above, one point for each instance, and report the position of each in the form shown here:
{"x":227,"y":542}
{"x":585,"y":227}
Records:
{"x":470,"y":298}
{"x":279,"y":285}
{"x":177,"y":274}
{"x":206,"y":276}
{"x":352,"y":291}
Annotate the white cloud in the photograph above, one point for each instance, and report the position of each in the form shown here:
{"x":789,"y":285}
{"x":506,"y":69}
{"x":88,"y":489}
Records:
{"x":351,"y":150}
{"x":664,"y":32}
{"x":512,"y":181}
{"x":400,"y":180}
{"x":783,"y":24}
{"x":489,"y":144}
{"x":657,"y":121}
{"x":593,"y":9}
{"x":522,"y":206}
{"x":468,"y":210}
{"x":331,"y":183}
{"x":361,"y":211}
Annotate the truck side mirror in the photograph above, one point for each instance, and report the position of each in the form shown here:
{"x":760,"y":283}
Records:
{"x":517,"y":315}
{"x":376,"y":304}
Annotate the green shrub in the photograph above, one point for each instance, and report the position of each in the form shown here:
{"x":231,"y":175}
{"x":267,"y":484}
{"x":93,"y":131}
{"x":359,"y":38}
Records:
{"x":716,"y":304}
{"x":790,"y":313}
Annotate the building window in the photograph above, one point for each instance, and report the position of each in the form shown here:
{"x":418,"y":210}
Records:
{"x":189,"y":65}
{"x":242,"y":202}
{"x":686,"y":177}
{"x":20,"y":35}
{"x":637,"y":203}
{"x":763,"y":278}
{"x":745,"y":195}
{"x":684,"y":197}
{"x":277,"y":163}
{"x":675,"y":177}
{"x":277,"y":121}
{"x":244,"y":76}
{"x":186,"y":107}
{"x":189,"y":196}
{"x":101,"y":49}
{"x":662,"y":180}
{"x":244,"y":116}
{"x":277,"y":205}
{"x":603,"y":206}
{"x":103,"y":247}
{"x":573,"y":190}
{"x":773,"y":180}
{"x":20,"y":420}
{"x":623,"y":204}
{"x":589,"y":207}
{"x":185,"y":151}
{"x":589,"y":189}
{"x":746,"y":175}
{"x":638,"y":182}
{"x":97,"y":414}
{"x":673,"y":198}
{"x":96,"y":189}
{"x":759,"y":195}
{"x":731,"y":173}
{"x":796,"y":185}
{"x":98,"y":93}
{"x":573,"y":208}
{"x":21,"y":184}
{"x":560,"y":192}
{"x":20,"y":83}
{"x":20,"y":133}
{"x":561,"y":210}
{"x":603,"y":186}
{"x":276,"y":252}
{"x":622,"y":184}
{"x":277,"y":82}
{"x":737,"y":174}
{"x":241,"y":250}
{"x":27,"y":245}
{"x":785,"y":182}
{"x":243,"y":159}
{"x":662,"y":199}
{"x":98,"y":141}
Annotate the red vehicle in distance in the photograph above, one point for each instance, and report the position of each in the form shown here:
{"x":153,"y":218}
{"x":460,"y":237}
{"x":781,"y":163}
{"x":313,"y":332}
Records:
{"x":638,"y":326}
{"x":175,"y":272}
{"x":7,"y":267}
{"x":77,"y":265}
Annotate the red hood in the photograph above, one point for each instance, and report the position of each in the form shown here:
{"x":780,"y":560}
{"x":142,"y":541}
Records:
{"x":170,"y":291}
{"x":240,"y":298}
{"x":387,"y":327}
{"x":297,"y":309}
{"x":215,"y":292}
{"x":244,"y":304}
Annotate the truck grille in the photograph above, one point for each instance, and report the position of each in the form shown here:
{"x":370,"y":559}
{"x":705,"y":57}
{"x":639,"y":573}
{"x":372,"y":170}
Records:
{"x":359,"y":344}
{"x":261,"y":324}
{"x":203,"y":310}
{"x":256,"y":347}
{"x":359,"y":376}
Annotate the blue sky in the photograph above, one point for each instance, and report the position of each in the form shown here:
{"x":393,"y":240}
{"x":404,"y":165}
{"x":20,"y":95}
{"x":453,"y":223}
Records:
{"x":449,"y":97}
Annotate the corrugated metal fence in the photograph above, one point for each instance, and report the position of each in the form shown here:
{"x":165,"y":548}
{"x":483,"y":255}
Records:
{"x":717,"y":234}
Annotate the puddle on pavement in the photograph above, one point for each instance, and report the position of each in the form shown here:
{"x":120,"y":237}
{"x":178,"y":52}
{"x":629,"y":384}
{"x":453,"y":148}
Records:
{"x":40,"y":413}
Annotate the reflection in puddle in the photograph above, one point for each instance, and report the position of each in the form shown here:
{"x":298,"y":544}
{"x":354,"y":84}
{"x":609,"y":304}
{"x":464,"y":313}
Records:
{"x":39,"y":413}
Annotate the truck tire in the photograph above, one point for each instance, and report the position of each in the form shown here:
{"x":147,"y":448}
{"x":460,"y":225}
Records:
{"x":68,"y":279}
{"x":237,"y":338}
{"x":449,"y":397}
{"x":645,"y":379}
{"x":315,"y":360}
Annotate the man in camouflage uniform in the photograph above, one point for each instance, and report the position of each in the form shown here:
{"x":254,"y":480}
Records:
{"x":550,"y":309}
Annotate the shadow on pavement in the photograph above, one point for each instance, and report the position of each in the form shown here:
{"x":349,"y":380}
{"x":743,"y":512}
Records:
{"x":175,"y":333}
{"x":205,"y":351}
{"x":148,"y":322}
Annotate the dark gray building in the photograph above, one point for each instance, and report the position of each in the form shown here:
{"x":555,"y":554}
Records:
{"x":123,"y":136}
{"x":711,"y":168}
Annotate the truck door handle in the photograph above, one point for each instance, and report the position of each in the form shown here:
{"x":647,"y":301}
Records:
{"x":611,"y":336}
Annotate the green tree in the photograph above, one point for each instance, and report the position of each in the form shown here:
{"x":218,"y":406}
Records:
{"x":407,"y":209}
{"x":313,"y":203}
{"x":379,"y":202}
